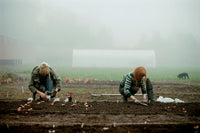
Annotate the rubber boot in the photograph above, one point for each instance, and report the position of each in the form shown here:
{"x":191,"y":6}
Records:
{"x":125,"y":99}
{"x":150,"y":91}
{"x":34,"y":94}
{"x":151,"y":96}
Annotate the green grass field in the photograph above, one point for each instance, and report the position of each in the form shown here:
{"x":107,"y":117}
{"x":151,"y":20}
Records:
{"x":157,"y":74}
{"x":116,"y":74}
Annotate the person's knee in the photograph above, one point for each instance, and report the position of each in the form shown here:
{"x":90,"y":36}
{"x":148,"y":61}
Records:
{"x":148,"y":82}
{"x":49,"y":82}
{"x":134,"y":90}
{"x":49,"y":85}
{"x":149,"y":85}
{"x":121,"y":91}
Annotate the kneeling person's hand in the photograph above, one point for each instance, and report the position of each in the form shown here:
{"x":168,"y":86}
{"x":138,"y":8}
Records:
{"x":53,"y":94}
{"x":136,"y":101}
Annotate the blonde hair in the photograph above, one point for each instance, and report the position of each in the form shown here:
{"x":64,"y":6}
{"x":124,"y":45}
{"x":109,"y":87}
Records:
{"x":44,"y":68}
{"x":139,"y":73}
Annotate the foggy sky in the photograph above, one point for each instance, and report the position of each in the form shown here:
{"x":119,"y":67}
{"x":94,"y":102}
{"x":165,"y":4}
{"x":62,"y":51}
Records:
{"x":111,"y":58}
{"x":50,"y":29}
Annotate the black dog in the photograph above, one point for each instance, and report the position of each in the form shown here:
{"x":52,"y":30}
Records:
{"x":183,"y":76}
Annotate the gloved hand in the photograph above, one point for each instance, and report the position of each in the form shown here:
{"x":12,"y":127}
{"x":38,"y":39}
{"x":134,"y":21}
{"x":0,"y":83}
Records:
{"x":53,"y":94}
{"x":136,"y":101}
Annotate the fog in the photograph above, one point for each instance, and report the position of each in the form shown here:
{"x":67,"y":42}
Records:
{"x":49,"y":30}
{"x":113,"y":58}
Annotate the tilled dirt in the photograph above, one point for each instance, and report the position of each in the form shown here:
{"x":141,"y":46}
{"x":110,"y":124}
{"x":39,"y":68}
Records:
{"x":102,"y":113}
{"x":99,"y":116}
{"x":41,"y":107}
{"x":188,"y":92}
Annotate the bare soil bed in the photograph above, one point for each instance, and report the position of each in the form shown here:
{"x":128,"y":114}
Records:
{"x":104,"y":113}
{"x":99,"y":116}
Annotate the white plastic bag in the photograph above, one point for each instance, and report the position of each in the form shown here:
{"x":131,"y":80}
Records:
{"x":49,"y":97}
{"x":56,"y":100}
{"x":66,"y":100}
{"x":178,"y":100}
{"x":30,"y":99}
{"x":165,"y":100}
{"x":169,"y":100}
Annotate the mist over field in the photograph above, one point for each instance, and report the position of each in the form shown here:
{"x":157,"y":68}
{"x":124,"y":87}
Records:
{"x":49,"y":30}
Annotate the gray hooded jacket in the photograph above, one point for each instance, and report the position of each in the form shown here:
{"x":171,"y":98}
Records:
{"x":34,"y":84}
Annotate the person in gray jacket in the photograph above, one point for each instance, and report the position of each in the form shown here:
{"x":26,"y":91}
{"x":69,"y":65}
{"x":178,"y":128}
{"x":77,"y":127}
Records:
{"x":44,"y":79}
